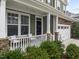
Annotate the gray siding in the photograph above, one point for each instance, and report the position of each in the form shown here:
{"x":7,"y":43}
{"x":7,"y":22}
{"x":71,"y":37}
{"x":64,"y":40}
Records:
{"x":51,"y":24}
{"x":32,"y":24}
{"x":44,"y":24}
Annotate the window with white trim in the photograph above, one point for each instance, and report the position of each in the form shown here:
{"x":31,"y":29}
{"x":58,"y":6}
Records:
{"x":12,"y":27}
{"x":17,"y":23}
{"x":64,"y":8}
{"x":24,"y":24}
{"x":58,"y":5}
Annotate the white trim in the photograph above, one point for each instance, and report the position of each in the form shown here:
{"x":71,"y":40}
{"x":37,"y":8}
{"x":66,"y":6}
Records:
{"x":19,"y":25}
{"x":57,"y":23}
{"x":29,"y":27}
{"x":48,"y":23}
{"x":54,"y":24}
{"x":42,"y":25}
{"x":36,"y":24}
{"x":3,"y":33}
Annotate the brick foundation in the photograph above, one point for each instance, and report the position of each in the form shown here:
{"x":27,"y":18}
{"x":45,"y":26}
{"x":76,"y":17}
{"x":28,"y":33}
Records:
{"x":4,"y":44}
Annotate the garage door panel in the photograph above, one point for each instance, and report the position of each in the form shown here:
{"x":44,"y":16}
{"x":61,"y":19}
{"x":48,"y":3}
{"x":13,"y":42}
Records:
{"x":64,"y":32}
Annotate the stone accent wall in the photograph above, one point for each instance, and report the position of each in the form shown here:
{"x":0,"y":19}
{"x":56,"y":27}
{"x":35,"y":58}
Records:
{"x":4,"y":44}
{"x":63,"y":21}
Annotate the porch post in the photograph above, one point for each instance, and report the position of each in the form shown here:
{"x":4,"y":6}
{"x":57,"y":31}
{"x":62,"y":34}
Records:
{"x":56,"y":32}
{"x":3,"y":32}
{"x":57,"y":23}
{"x":48,"y":26}
{"x":48,"y":23}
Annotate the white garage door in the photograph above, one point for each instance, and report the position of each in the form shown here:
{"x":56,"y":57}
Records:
{"x":64,"y":32}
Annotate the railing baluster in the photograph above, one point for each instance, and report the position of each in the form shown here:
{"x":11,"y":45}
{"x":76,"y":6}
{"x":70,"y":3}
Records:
{"x":24,"y":42}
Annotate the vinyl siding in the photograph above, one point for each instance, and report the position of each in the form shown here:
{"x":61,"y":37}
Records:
{"x":32,"y":24}
{"x":44,"y":24}
{"x":51,"y":24}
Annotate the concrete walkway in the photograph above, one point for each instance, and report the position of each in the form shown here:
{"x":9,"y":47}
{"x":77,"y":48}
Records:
{"x":70,"y":41}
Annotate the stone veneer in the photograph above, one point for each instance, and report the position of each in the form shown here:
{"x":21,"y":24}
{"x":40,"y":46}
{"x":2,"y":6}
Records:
{"x":4,"y":44}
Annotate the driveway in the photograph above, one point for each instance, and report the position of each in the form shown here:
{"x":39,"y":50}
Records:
{"x":70,"y":41}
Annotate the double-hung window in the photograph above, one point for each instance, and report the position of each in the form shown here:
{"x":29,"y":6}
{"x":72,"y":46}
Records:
{"x":58,"y":5}
{"x":64,"y":8}
{"x":24,"y":24}
{"x":17,"y":24}
{"x":12,"y":27}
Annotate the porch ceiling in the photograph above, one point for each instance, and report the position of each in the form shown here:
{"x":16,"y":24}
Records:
{"x":12,"y":4}
{"x":44,"y":7}
{"x":32,"y":5}
{"x":41,"y":8}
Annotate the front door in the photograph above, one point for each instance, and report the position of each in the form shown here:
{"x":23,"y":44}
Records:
{"x":38,"y":26}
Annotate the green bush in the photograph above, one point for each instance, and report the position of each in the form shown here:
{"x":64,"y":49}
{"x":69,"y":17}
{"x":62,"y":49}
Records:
{"x":72,"y":51}
{"x":75,"y":30}
{"x":12,"y":55}
{"x":36,"y":53}
{"x":53,"y":48}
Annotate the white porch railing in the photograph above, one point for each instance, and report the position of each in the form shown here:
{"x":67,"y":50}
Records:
{"x":23,"y":42}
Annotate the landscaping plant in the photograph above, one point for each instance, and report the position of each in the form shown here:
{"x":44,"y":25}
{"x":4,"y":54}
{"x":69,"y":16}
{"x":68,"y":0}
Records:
{"x":12,"y":55}
{"x":72,"y":52}
{"x":53,"y":48}
{"x":36,"y":53}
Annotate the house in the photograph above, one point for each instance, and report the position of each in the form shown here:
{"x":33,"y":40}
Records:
{"x":34,"y":18}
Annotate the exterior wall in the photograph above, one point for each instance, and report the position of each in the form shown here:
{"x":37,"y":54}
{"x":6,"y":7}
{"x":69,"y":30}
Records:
{"x":63,"y":21}
{"x":20,"y":7}
{"x":51,"y":24}
{"x":64,"y":1}
{"x":4,"y":44}
{"x":44,"y":24}
{"x":32,"y":24}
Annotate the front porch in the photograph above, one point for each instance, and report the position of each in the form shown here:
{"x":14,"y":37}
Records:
{"x":26,"y":26}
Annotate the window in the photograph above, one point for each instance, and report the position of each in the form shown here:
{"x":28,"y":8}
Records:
{"x":17,"y":24}
{"x":49,"y":1}
{"x":61,"y":27}
{"x":24,"y":24}
{"x":58,"y":27}
{"x":12,"y":24}
{"x":58,"y":5}
{"x":64,"y":8}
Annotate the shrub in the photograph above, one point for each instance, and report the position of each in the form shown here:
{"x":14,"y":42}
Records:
{"x":53,"y":48}
{"x":72,"y":51}
{"x":36,"y":53}
{"x":12,"y":55}
{"x":75,"y":30}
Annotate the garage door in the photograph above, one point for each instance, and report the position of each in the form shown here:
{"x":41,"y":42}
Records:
{"x":64,"y":32}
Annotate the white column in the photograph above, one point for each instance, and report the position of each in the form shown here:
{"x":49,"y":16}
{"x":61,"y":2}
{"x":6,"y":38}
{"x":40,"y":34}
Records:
{"x":57,"y":23}
{"x":54,"y":23}
{"x":3,"y":32}
{"x":29,"y":26}
{"x":48,"y":23}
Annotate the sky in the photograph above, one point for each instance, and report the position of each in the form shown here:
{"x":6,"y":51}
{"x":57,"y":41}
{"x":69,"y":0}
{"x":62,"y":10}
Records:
{"x":73,"y":6}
